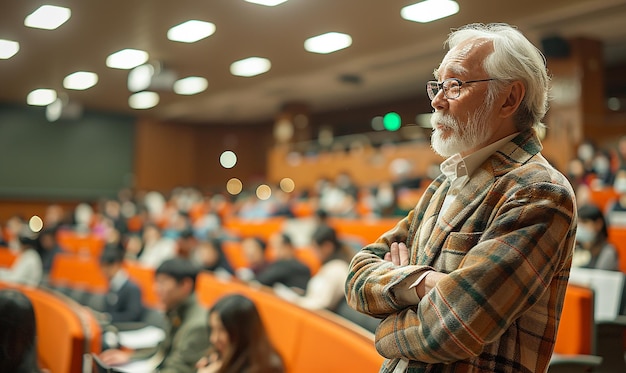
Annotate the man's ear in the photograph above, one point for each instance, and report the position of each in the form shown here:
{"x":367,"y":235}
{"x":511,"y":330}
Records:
{"x":514,"y":95}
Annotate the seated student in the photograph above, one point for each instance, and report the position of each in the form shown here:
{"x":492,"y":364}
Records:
{"x":211,"y":257}
{"x":187,"y":336}
{"x":286,"y":269}
{"x":122,"y":303}
{"x":48,"y":248}
{"x":18,"y":349}
{"x":592,"y":247}
{"x":27,"y":268}
{"x":325,"y":290}
{"x":254,"y":251}
{"x":240,"y":342}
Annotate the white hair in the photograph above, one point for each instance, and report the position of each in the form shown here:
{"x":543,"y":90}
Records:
{"x":514,"y":57}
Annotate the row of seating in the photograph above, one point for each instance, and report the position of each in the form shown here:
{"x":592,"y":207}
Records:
{"x":65,"y":330}
{"x":307,"y":341}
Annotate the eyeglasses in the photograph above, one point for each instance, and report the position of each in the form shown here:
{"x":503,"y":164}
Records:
{"x":451,"y":87}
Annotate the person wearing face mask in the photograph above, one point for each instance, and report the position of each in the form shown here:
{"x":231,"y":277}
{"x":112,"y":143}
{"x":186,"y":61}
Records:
{"x":592,"y":247}
{"x":616,"y":213}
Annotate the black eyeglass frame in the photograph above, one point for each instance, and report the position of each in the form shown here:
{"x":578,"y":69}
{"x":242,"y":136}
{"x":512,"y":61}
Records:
{"x":440,"y":86}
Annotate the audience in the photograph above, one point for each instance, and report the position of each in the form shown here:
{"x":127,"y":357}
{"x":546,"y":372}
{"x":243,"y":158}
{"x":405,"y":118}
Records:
{"x":27,"y":268}
{"x":211,"y":257}
{"x":325,"y":290}
{"x":286,"y":268}
{"x":187,"y":336}
{"x":122,"y":302}
{"x":18,"y":348}
{"x":254,"y":252}
{"x":239,"y":340}
{"x":617,"y":209}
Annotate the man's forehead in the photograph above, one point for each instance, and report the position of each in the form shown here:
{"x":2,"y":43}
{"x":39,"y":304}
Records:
{"x":469,"y":52}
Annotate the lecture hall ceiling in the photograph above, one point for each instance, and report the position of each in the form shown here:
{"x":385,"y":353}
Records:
{"x":389,"y":58}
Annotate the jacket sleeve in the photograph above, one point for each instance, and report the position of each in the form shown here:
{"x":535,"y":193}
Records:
{"x":371,"y":281}
{"x":520,"y":259}
{"x":187,"y":349}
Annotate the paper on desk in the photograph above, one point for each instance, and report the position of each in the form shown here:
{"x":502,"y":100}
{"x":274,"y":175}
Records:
{"x":139,"y":366}
{"x":146,"y":337}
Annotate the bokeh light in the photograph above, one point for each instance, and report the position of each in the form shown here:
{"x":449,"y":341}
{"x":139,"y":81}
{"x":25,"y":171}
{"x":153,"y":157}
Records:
{"x":234,"y":186}
{"x":228,"y":159}
{"x":263,"y":192}
{"x":392,"y":121}
{"x":287,"y":185}
{"x":35,"y":224}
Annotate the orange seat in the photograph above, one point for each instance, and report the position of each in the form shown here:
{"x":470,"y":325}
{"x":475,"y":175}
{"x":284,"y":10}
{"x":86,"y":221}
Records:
{"x":144,"y":278}
{"x":7,"y":257}
{"x":602,"y":196}
{"x":234,"y":254}
{"x":576,"y":329}
{"x":307,"y":341}
{"x":78,"y":243}
{"x":65,"y":330}
{"x":78,"y":272}
{"x":262,"y":228}
{"x":309,"y":257}
{"x":367,"y":229}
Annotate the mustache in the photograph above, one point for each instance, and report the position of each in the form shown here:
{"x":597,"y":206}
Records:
{"x":443,"y":119}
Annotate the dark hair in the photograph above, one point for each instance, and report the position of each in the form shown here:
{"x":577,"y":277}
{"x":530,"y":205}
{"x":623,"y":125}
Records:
{"x":325,"y":233}
{"x":112,"y":255}
{"x":286,"y":239}
{"x":222,"y":261}
{"x":179,"y":269}
{"x":251,"y":349}
{"x":593,"y":213}
{"x":18,"y":350}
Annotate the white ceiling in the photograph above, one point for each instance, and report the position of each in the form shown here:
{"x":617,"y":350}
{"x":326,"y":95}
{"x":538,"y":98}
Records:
{"x":391,"y":57}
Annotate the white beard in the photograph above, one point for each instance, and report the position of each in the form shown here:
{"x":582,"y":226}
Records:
{"x":462,"y":137}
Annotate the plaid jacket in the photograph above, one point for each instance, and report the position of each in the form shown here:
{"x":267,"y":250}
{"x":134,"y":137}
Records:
{"x":506,"y":243}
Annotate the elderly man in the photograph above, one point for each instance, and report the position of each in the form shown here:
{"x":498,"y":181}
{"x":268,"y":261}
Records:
{"x":473,"y":279}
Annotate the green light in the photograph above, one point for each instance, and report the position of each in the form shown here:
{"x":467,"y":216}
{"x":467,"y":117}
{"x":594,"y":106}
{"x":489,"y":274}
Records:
{"x":392,"y":121}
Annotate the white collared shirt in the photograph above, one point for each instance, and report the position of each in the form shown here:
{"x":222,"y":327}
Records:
{"x":459,"y":170}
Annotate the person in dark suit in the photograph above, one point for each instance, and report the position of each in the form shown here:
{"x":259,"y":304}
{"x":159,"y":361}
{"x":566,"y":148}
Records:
{"x":122,"y":302}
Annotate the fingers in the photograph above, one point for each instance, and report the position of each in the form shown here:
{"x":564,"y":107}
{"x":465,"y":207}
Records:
{"x":395,"y":255}
{"x":398,"y":254}
{"x":403,"y":254}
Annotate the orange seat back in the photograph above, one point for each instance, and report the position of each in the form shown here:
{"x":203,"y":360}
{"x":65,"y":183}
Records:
{"x":78,"y":272}
{"x":144,"y":278}
{"x":576,"y":328}
{"x":7,"y":257}
{"x":307,"y":341}
{"x":65,"y":330}
{"x":80,"y":243}
{"x":367,"y":229}
{"x":234,"y":254}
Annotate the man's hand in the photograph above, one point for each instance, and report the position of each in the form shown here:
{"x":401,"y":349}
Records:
{"x":398,"y":254}
{"x":115,"y":357}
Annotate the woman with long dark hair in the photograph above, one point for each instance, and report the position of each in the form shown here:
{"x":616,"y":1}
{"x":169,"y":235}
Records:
{"x":239,"y":341}
{"x":18,"y":348}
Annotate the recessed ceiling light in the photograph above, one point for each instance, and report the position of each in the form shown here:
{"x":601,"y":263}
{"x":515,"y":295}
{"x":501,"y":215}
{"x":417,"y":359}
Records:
{"x":41,"y":97}
{"x":250,"y":66}
{"x":191,"y":31}
{"x":267,"y":2}
{"x":48,"y":17}
{"x":143,"y":100}
{"x":126,"y":59}
{"x":80,"y":80}
{"x":328,"y":42}
{"x":8,"y":48}
{"x":190,"y":85}
{"x":429,"y":10}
